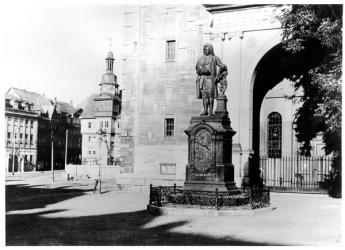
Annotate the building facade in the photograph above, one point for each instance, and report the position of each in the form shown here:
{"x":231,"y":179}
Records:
{"x":161,"y":46}
{"x":21,"y":135}
{"x":54,"y":124}
{"x":100,"y":128}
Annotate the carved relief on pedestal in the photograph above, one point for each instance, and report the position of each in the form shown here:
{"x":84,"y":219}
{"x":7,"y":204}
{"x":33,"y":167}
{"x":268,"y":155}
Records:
{"x":203,"y":150}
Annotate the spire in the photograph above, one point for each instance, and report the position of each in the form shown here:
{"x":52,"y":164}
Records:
{"x":109,"y":39}
{"x":110,"y":58}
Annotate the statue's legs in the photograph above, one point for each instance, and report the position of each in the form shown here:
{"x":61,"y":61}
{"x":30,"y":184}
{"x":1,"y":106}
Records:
{"x":204,"y":95}
{"x":205,"y":105}
{"x":211,"y":105}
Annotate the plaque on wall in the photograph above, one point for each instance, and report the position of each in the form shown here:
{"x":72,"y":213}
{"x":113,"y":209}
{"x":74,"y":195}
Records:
{"x":167,"y":168}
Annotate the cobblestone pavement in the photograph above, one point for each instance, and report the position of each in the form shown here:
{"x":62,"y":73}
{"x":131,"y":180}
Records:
{"x":39,"y":212}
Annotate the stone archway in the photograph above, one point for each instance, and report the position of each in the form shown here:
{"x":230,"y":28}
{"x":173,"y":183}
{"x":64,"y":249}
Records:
{"x":274,"y":66}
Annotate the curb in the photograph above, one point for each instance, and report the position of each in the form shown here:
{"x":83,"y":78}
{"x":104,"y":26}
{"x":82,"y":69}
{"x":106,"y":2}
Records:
{"x":155,"y":210}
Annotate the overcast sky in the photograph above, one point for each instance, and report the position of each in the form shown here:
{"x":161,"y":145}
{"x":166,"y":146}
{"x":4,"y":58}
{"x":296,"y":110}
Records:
{"x":59,"y":49}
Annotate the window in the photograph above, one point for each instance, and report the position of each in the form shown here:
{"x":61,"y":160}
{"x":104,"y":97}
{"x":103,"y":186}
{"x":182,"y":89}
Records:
{"x":8,"y":135}
{"x":89,"y":138}
{"x":101,"y":124}
{"x":89,"y":152}
{"x":117,"y":108}
{"x":89,"y":124}
{"x":106,"y":124}
{"x":169,"y":127}
{"x":94,"y":152}
{"x":31,"y":138}
{"x":170,"y":50}
{"x":274,"y":135}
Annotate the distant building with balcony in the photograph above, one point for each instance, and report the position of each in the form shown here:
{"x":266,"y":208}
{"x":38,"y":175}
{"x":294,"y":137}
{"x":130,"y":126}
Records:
{"x":52,"y":120}
{"x":100,"y":120}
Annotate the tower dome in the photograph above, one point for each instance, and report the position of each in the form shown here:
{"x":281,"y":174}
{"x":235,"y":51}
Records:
{"x":110,"y":54}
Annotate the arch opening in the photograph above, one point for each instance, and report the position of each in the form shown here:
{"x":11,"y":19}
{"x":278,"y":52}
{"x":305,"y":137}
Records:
{"x":274,"y":67}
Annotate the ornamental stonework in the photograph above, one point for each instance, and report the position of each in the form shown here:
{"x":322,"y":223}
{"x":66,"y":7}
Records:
{"x":203,"y":150}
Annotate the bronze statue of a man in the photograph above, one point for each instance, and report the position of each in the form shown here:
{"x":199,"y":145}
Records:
{"x":206,"y":68}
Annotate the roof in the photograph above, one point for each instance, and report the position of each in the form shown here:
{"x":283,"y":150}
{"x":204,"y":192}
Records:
{"x":88,"y":106}
{"x":41,"y":102}
{"x":32,"y":97}
{"x":12,"y":97}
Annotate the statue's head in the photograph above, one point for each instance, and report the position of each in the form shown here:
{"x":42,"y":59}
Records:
{"x":208,"y":49}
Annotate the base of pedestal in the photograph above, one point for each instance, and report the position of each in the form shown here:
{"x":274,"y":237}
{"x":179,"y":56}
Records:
{"x":229,"y":187}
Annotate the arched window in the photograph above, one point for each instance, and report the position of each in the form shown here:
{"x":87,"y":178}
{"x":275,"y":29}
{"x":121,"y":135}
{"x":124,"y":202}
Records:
{"x":274,"y":135}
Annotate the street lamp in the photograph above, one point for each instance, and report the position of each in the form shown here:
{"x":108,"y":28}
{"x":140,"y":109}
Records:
{"x":52,"y":156}
{"x":66,"y":148}
{"x":101,"y":134}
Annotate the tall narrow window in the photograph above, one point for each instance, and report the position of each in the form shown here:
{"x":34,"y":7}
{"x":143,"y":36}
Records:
{"x":89,"y":124}
{"x":169,"y":127}
{"x":170,"y":50}
{"x":274,"y":135}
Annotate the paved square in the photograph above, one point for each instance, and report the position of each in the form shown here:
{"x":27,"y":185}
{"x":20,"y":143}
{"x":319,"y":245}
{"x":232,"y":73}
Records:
{"x":39,"y":212}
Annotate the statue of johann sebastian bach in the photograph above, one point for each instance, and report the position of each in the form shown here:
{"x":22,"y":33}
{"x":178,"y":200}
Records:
{"x":206,"y":68}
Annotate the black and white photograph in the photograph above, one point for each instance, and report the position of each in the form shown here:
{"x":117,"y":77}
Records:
{"x":168,"y":123}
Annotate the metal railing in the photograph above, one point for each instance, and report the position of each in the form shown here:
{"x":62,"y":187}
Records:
{"x":176,"y":196}
{"x":296,"y":173}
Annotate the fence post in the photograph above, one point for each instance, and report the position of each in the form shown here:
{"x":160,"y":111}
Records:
{"x":150,"y":202}
{"x":217,"y":199}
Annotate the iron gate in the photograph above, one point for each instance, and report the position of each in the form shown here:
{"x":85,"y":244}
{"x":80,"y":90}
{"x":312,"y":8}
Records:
{"x":296,"y":173}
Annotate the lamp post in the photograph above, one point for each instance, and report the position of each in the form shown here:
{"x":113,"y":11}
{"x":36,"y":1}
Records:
{"x":13,"y":152}
{"x":52,"y":156}
{"x":101,"y":133}
{"x":66,"y":148}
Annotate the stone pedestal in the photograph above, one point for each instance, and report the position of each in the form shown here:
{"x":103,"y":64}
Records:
{"x":221,"y":106}
{"x":210,"y":155}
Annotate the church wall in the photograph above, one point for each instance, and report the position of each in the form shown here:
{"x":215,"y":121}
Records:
{"x":155,"y":89}
{"x":161,"y":89}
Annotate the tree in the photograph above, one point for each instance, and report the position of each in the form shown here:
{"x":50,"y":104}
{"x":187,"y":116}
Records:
{"x":318,"y":26}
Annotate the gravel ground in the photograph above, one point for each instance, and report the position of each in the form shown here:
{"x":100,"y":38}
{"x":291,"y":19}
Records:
{"x":39,"y":212}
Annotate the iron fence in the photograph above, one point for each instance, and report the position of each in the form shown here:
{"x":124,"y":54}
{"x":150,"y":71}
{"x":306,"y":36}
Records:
{"x":176,"y":196}
{"x":296,"y":173}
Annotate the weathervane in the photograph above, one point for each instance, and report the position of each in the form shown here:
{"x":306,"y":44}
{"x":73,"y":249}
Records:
{"x":109,"y":39}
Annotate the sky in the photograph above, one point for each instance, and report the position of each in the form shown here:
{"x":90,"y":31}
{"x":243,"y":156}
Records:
{"x":59,"y":49}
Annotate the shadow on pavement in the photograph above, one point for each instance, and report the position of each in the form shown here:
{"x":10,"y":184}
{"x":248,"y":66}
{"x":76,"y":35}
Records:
{"x":22,"y":197}
{"x":126,"y":229}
